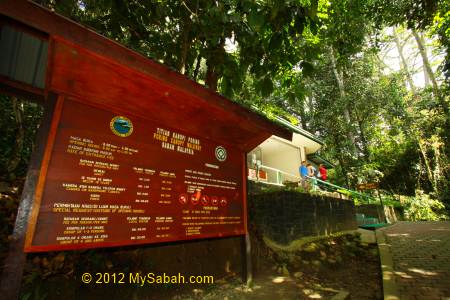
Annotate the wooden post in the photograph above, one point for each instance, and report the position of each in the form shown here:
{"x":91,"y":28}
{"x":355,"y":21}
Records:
{"x":247,"y":242}
{"x":11,"y":278}
{"x":248,"y":260}
{"x":382,"y":205}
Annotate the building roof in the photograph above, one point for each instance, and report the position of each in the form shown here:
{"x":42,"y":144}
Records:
{"x":95,"y":70}
{"x":299,"y":130}
{"x":317,"y":159}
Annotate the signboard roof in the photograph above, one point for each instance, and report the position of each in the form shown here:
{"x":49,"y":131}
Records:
{"x":115,"y":77}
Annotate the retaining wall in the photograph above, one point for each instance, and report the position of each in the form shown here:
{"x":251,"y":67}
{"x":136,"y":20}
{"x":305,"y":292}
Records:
{"x":284,"y":216}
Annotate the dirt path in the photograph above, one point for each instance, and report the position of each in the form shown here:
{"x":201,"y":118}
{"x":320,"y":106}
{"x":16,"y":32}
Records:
{"x":342,"y":267}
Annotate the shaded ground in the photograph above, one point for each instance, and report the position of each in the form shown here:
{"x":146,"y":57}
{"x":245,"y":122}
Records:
{"x":320,"y":270}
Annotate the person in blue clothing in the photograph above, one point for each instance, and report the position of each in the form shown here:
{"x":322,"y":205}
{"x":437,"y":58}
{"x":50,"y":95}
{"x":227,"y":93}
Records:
{"x":303,"y":170}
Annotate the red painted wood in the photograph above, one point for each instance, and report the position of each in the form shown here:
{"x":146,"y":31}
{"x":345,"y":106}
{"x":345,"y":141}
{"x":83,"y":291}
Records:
{"x":88,"y":179}
{"x":105,"y":83}
{"x":50,"y":142}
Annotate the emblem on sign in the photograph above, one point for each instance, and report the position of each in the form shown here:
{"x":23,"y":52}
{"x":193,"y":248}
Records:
{"x":221,"y":153}
{"x":121,"y":126}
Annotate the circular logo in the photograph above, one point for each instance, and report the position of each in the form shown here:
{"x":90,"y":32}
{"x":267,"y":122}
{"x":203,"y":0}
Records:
{"x":205,"y":200}
{"x":183,"y":199}
{"x":221,"y":153}
{"x":121,"y":126}
{"x":194,"y":199}
{"x":214,"y":200}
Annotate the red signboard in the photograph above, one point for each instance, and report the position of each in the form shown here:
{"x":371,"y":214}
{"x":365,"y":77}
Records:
{"x":115,"y":179}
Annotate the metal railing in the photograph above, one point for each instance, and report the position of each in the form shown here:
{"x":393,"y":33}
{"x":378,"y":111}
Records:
{"x":278,"y":178}
{"x":341,"y":190}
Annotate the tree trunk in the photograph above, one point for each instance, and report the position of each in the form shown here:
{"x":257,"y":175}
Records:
{"x":426,"y":63}
{"x":340,"y":158}
{"x":197,"y":67}
{"x":185,"y":45}
{"x":365,"y":148}
{"x":14,"y":161}
{"x":441,"y":99}
{"x":212,"y":77}
{"x":215,"y":59}
{"x":404,"y":62}
{"x":303,"y":114}
{"x":428,"y":169}
{"x":339,"y":75}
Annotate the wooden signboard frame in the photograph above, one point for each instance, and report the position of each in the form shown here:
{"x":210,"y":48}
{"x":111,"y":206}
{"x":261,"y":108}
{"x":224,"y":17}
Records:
{"x":104,"y":74}
{"x":217,"y":183}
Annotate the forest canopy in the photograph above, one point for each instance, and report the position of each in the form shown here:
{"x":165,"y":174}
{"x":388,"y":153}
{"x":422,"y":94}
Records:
{"x":370,"y":78}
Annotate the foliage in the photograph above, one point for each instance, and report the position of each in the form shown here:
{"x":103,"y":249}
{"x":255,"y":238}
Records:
{"x":231,"y":38}
{"x":11,"y":141}
{"x":422,"y":207}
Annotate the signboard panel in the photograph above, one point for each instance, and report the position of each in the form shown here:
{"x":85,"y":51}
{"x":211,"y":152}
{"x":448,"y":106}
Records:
{"x":121,"y":180}
{"x":367,"y":186}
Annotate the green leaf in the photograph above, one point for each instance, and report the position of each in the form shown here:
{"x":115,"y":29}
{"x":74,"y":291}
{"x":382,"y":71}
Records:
{"x":266,"y":86}
{"x":255,"y":20}
{"x":299,"y":23}
{"x":307,"y":68}
{"x":275,"y":41}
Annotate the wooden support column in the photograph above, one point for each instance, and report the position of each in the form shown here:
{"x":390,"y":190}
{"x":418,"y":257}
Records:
{"x":247,"y":242}
{"x":11,"y":277}
{"x":248,"y":260}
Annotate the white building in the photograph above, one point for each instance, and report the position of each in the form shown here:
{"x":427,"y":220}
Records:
{"x":277,"y":160}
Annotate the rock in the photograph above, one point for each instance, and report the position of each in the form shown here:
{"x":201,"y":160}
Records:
{"x":6,"y":188}
{"x":348,"y":244}
{"x":60,"y":257}
{"x":285,"y":271}
{"x":292,"y":259}
{"x":197,"y":292}
{"x":36,"y":260}
{"x":109,"y":264}
{"x":316,"y":263}
{"x":312,"y":247}
{"x":44,"y":262}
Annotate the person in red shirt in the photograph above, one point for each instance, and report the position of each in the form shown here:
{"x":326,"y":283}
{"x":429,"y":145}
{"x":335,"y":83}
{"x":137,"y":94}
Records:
{"x":323,"y":172}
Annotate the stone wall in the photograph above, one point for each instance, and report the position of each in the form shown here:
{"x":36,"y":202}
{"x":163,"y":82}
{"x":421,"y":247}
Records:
{"x":284,"y":216}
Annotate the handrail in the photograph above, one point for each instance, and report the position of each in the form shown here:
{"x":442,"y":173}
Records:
{"x":337,"y":188}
